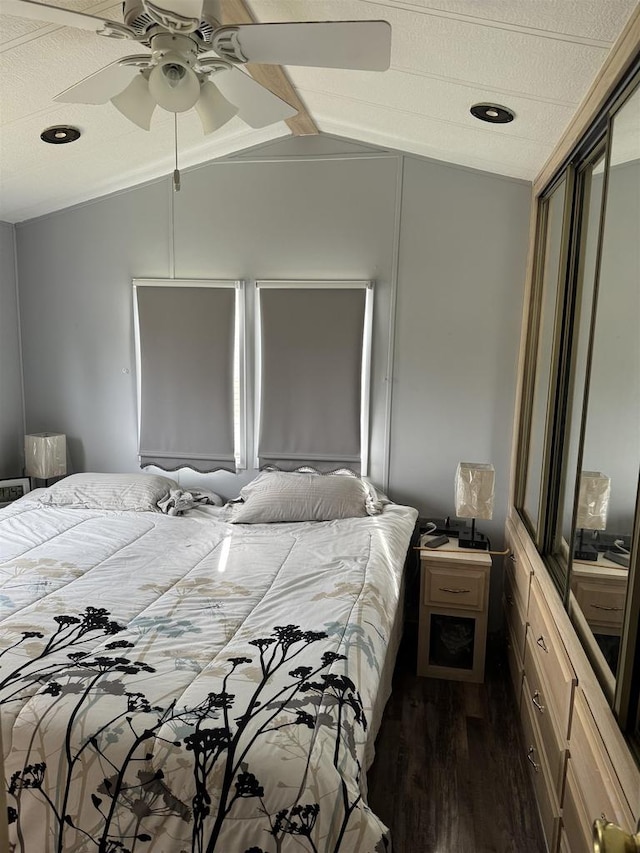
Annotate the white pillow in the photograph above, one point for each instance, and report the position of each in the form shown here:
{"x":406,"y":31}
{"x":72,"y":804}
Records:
{"x":278,"y":496}
{"x":140,"y":492}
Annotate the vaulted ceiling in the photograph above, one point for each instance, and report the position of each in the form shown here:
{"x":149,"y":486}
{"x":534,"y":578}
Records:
{"x":536,"y":57}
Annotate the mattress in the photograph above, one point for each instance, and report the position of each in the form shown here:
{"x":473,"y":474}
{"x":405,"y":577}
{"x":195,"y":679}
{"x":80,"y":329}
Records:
{"x":174,"y":684}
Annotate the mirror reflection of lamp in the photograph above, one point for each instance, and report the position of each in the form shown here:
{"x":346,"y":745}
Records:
{"x":474,"y":494}
{"x":593,"y":504}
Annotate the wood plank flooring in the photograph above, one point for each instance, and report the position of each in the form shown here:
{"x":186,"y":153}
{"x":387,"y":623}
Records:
{"x":449,"y":774}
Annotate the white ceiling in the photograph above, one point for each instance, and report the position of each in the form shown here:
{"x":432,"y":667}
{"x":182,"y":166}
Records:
{"x":537,"y":57}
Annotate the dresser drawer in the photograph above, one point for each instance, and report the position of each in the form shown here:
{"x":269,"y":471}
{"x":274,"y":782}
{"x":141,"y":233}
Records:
{"x":518,"y":569}
{"x":536,"y":695}
{"x":597,"y":791}
{"x":602,"y":602}
{"x":546,"y":797}
{"x":576,"y":825}
{"x":514,"y":614}
{"x":516,"y":666}
{"x":551,"y":659}
{"x":563,"y":846}
{"x":454,"y":586}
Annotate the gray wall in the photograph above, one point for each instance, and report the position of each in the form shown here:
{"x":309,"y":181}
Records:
{"x":460,"y":293}
{"x":11,"y":410}
{"x":445,"y":245}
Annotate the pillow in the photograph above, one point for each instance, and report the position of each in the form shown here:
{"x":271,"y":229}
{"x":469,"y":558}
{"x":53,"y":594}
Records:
{"x":139,"y":492}
{"x":277,"y":496}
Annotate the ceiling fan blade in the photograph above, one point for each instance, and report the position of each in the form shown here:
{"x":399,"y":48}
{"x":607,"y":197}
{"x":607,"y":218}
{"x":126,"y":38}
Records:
{"x":213,"y":108}
{"x":63,"y":17}
{"x":256,"y":104}
{"x":135,"y":102}
{"x":363,"y":45}
{"x":100,"y":87}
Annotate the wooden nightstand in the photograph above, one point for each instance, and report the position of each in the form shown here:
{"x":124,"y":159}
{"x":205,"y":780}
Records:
{"x":600,"y":588}
{"x":454,"y":596}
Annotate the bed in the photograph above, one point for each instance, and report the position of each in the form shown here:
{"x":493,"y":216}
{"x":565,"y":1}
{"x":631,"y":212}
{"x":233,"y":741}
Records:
{"x":184,"y":681}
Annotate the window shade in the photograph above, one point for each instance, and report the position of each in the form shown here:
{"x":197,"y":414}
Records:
{"x":186,"y":338}
{"x":311,"y":367}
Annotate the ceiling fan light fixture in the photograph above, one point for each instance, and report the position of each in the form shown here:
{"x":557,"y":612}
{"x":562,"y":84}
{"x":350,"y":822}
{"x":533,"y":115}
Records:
{"x":213,"y":108}
{"x":174,"y":85}
{"x":135,"y":102}
{"x":60,"y":135}
{"x":493,"y":113}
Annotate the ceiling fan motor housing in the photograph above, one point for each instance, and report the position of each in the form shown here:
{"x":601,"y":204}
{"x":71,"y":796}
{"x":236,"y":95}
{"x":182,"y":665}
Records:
{"x":136,"y":16}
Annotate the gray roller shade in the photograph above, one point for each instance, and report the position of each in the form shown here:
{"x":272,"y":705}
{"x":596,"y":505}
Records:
{"x":186,"y":350}
{"x":311,"y":376}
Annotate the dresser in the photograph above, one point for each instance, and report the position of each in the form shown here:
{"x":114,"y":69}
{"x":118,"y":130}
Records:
{"x":579,"y":765}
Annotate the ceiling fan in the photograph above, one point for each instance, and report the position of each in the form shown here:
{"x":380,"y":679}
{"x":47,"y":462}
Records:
{"x":194,"y":61}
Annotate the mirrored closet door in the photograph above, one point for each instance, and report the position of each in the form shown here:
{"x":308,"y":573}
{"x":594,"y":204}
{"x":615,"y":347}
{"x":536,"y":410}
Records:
{"x":609,"y":462}
{"x":579,"y":445}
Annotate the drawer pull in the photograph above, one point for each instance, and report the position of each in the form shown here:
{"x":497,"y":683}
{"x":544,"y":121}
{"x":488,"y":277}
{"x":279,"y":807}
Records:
{"x":604,"y":607}
{"x":540,"y":641}
{"x":536,"y":701}
{"x":530,"y":753}
{"x":455,"y":590}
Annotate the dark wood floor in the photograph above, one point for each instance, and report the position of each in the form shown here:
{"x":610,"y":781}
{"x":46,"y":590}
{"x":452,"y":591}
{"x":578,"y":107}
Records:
{"x":449,"y":774}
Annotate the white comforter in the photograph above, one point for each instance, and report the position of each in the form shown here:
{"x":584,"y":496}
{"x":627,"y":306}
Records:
{"x":175,"y":684}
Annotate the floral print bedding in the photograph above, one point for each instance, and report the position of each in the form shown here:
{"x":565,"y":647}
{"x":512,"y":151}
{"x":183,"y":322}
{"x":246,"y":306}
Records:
{"x":184,"y":685}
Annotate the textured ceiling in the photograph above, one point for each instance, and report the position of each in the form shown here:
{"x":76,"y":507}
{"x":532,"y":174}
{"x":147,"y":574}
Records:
{"x":537,"y":57}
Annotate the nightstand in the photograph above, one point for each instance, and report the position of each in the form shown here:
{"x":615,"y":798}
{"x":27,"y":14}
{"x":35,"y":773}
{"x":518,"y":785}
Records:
{"x":454,"y":597}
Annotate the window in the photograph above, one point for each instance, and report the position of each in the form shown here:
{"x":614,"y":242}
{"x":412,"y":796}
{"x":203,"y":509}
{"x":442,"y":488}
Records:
{"x":190,"y":373}
{"x":312,"y":373}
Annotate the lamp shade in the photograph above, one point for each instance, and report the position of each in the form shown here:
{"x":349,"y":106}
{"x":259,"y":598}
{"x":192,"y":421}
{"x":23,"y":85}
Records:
{"x":45,"y":455}
{"x":593,"y":500}
{"x":474,"y":490}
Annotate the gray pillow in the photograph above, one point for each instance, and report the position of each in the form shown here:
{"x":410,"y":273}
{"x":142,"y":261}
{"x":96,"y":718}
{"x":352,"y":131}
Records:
{"x":140,"y":492}
{"x":277,"y":496}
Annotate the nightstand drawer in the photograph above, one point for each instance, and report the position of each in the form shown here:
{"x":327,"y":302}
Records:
{"x":602,"y":603}
{"x":535,"y":692}
{"x":551,"y":659}
{"x":454,"y":587}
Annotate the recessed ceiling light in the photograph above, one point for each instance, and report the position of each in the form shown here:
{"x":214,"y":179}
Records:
{"x":59,"y":135}
{"x":492,"y":113}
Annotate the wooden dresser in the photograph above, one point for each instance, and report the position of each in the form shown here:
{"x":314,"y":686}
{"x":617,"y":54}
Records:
{"x":580,"y":766}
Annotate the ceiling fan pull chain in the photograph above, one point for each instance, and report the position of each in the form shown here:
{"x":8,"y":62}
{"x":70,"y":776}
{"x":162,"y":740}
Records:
{"x":176,"y":171}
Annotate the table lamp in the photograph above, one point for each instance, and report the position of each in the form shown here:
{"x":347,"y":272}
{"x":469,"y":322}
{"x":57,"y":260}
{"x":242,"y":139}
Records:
{"x":593,"y":504}
{"x":45,"y":455}
{"x":474,"y":495}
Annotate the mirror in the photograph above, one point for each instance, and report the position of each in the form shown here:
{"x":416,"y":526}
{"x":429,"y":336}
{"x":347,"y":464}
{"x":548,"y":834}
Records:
{"x":605,"y":506}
